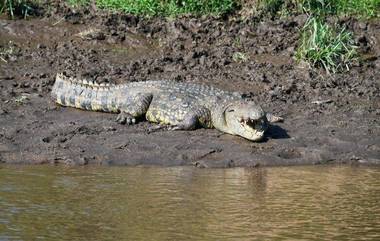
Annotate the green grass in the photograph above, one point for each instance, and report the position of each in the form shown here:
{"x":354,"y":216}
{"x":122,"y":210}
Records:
{"x":360,"y":8}
{"x":16,"y":7}
{"x":364,"y":8}
{"x":324,"y":46}
{"x":165,"y":7}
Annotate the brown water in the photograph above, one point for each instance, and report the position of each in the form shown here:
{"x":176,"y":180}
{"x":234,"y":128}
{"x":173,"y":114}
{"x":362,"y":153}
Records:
{"x":184,"y":203}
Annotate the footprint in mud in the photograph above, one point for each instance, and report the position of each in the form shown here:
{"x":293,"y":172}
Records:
{"x":292,"y":153}
{"x":310,"y":155}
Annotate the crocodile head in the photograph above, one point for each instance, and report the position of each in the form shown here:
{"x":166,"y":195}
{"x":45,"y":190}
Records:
{"x":242,"y":118}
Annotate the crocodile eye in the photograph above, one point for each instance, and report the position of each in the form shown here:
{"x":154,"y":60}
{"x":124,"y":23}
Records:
{"x":230,"y":110}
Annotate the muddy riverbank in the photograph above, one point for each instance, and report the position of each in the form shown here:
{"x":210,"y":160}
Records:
{"x":328,"y":118}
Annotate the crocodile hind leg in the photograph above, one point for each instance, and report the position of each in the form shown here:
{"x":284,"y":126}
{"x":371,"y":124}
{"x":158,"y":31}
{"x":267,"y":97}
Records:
{"x":133,"y":107}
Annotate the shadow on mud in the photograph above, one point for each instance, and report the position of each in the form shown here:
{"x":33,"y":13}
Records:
{"x":276,"y":132}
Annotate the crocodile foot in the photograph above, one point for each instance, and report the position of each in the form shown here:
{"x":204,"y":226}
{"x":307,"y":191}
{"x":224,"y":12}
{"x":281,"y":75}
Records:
{"x":126,"y":118}
{"x":163,"y":127}
{"x":274,"y":119}
{"x":159,"y":127}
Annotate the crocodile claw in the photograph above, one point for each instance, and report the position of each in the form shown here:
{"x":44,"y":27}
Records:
{"x":162,"y":127}
{"x":126,"y":118}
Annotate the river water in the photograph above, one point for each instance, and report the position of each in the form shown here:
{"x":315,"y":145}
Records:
{"x":185,"y":203}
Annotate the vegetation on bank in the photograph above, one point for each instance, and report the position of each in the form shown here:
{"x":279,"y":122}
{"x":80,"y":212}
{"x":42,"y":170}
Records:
{"x":320,"y":45}
{"x":165,"y":7}
{"x":359,"y":8}
{"x":16,"y":7}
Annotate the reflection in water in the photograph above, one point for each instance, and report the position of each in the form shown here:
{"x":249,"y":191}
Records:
{"x":184,"y":203}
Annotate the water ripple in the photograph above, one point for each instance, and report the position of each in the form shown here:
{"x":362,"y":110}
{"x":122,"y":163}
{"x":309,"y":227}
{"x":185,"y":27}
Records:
{"x":184,"y":203}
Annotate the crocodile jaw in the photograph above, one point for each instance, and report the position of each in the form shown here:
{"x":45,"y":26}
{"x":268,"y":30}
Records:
{"x":251,"y":129}
{"x":245,"y":119}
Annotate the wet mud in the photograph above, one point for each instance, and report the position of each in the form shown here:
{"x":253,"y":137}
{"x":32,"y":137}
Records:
{"x":329,"y":119}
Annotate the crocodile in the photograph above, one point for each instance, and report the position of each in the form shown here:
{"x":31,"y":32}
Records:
{"x":173,"y":105}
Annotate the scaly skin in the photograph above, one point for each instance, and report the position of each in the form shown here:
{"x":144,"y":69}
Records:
{"x":178,"y":106}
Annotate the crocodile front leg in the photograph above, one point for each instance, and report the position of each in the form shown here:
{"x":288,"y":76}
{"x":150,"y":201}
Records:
{"x":199,"y":116}
{"x":196,"y":117}
{"x":133,"y":107}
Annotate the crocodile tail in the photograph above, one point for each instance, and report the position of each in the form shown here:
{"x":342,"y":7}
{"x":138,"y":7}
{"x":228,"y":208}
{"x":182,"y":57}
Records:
{"x":85,"y":94}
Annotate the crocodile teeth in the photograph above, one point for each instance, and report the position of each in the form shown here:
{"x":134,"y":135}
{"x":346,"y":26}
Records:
{"x":245,"y":121}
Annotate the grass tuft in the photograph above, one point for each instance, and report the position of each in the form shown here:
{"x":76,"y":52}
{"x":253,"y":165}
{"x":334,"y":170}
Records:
{"x":324,"y":46}
{"x":360,"y":8}
{"x":16,"y":7}
{"x":240,"y":57}
{"x":321,"y":45}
